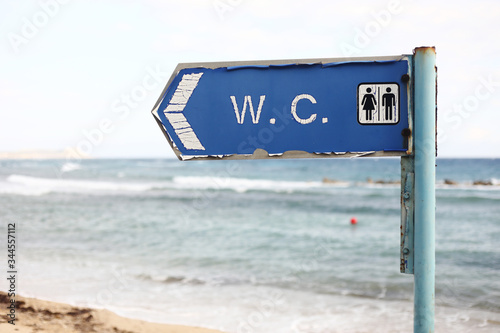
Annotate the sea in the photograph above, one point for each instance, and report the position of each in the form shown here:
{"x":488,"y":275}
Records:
{"x":251,"y":246}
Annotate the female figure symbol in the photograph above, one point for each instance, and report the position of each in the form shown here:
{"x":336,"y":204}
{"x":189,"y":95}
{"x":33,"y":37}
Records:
{"x":368,"y":103}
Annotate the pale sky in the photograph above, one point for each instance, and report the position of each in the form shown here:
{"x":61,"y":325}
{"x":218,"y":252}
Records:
{"x":70,"y":68}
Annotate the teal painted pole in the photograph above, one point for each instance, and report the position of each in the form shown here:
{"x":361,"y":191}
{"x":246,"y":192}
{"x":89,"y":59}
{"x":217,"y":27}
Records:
{"x":425,"y":197}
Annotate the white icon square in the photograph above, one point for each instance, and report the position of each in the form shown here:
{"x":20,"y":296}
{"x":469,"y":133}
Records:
{"x":378,"y":103}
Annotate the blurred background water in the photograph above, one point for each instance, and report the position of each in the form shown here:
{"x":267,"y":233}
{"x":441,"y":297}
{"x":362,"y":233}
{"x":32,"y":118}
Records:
{"x":252,"y":246}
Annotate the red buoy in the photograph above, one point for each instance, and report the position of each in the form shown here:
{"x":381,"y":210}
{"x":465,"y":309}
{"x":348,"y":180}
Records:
{"x":354,"y":220}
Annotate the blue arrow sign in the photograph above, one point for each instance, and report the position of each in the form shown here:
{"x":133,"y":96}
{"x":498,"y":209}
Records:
{"x":309,"y":108}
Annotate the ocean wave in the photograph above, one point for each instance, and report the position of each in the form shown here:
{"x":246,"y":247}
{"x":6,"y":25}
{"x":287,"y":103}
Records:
{"x":177,"y":279}
{"x":35,"y":186}
{"x":243,"y":184}
{"x":469,"y":196}
{"x":28,"y":185}
{"x":69,"y":166}
{"x":195,"y":281}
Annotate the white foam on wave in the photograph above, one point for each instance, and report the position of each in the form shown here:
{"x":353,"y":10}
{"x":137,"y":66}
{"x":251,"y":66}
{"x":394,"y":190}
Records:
{"x":7,"y":187}
{"x":243,"y":184}
{"x":27,"y":185}
{"x":69,"y":166}
{"x":236,"y":307}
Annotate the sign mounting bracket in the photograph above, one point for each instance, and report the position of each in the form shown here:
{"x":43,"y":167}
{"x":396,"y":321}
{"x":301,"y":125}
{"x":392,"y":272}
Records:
{"x":407,"y":214}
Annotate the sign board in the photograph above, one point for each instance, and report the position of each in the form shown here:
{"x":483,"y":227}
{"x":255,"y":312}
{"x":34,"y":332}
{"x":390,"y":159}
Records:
{"x":321,"y":108}
{"x":288,"y":108}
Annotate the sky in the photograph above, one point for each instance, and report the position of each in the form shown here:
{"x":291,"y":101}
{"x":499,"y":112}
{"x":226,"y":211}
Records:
{"x":86,"y":74}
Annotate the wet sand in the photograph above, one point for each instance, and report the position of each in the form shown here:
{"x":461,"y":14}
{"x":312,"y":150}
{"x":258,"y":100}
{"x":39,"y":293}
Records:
{"x":33,"y":315}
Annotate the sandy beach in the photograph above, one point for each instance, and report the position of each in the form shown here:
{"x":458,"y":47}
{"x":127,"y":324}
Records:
{"x":33,"y":315}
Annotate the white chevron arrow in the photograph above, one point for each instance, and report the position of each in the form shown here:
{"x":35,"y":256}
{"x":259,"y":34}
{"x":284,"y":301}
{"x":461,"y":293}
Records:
{"x":175,"y":108}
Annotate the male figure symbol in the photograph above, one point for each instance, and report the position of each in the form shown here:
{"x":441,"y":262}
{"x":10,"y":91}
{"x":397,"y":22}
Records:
{"x":388,"y":100}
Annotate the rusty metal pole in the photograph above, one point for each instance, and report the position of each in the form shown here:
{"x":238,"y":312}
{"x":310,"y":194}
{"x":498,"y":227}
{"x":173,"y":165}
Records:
{"x":425,"y":197}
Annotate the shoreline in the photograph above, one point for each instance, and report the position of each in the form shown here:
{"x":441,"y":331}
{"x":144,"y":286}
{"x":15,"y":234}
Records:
{"x":34,"y":315}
